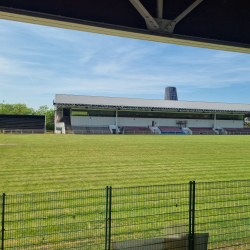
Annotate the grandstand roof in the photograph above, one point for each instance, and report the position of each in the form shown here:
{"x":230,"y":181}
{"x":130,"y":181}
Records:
{"x":148,"y":104}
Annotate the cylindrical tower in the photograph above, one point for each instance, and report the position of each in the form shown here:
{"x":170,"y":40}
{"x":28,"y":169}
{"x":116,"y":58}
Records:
{"x":171,"y":93}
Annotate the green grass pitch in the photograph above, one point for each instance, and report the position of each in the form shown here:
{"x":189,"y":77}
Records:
{"x":41,"y":163}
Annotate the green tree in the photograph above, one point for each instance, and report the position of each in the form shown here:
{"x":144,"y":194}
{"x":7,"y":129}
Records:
{"x":50,"y":119}
{"x":16,"y":109}
{"x":42,"y":110}
{"x":49,"y":113}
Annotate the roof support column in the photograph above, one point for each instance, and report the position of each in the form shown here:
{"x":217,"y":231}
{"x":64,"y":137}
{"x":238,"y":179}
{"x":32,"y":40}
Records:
{"x":215,"y":120}
{"x":55,"y":114}
{"x":116,"y":118}
{"x":160,"y":9}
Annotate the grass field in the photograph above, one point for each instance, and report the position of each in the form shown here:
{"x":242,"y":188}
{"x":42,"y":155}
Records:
{"x":39,"y":163}
{"x":65,"y":220}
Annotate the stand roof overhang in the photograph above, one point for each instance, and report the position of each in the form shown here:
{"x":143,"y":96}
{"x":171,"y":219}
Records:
{"x":214,"y":24}
{"x":97,"y":102}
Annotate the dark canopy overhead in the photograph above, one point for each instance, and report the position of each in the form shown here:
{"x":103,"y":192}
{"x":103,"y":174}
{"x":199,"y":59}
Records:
{"x":217,"y":24}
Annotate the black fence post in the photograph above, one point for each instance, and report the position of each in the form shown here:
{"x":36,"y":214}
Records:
{"x":191,"y":225}
{"x":193,"y":215}
{"x":110,"y":203}
{"x":190,"y":216}
{"x":106,"y":217}
{"x":3,"y":229}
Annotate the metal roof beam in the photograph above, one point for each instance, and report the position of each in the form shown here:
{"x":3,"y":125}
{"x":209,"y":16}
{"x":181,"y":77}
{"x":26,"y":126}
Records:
{"x":145,"y":14}
{"x":170,"y":27}
{"x":159,"y":23}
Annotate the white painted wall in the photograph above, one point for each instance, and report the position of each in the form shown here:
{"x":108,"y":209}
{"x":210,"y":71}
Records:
{"x":59,"y":124}
{"x":94,"y":121}
{"x":230,"y":124}
{"x":122,"y":121}
{"x":145,"y":122}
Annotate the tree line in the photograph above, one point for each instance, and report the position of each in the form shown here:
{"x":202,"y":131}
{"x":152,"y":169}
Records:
{"x":22,"y":109}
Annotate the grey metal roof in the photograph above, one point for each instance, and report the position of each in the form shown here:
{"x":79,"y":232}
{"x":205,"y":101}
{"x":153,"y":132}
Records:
{"x":135,"y":103}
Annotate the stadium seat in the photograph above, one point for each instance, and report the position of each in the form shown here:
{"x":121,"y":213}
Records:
{"x":90,"y":130}
{"x":237,"y":131}
{"x":137,"y":130}
{"x":202,"y":131}
{"x":171,"y":130}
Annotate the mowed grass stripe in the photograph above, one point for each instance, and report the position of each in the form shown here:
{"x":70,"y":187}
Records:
{"x":40,"y":163}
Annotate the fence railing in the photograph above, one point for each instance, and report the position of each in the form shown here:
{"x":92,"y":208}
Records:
{"x":22,"y":131}
{"x":238,"y":133}
{"x":204,"y":133}
{"x":91,"y":132}
{"x":139,"y":132}
{"x":187,"y":216}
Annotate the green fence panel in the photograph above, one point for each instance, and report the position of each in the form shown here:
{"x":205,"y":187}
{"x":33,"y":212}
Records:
{"x":193,"y":216}
{"x":60,"y":220}
{"x":223,"y":212}
{"x":149,"y":216}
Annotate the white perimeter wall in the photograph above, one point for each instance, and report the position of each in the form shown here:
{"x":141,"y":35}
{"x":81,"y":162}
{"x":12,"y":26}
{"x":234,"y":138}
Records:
{"x":94,"y":121}
{"x":172,"y":122}
{"x":122,"y":121}
{"x":230,"y":124}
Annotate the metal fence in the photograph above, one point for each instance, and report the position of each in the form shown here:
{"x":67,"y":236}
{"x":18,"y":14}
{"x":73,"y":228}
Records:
{"x":191,"y":216}
{"x":223,"y":211}
{"x":23,"y":131}
{"x":84,"y":132}
{"x":238,"y":133}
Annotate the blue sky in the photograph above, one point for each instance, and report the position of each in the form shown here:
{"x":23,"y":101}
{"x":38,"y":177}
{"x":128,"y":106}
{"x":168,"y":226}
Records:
{"x":37,"y":62}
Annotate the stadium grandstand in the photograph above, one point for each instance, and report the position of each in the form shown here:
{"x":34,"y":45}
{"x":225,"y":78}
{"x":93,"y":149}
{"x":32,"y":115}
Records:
{"x":23,"y":124}
{"x":80,"y":114}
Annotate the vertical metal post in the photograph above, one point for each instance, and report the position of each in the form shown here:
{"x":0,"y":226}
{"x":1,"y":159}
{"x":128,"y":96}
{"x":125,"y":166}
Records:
{"x":110,"y":202}
{"x":190,"y":216}
{"x":3,"y":229}
{"x":106,"y":217}
{"x":45,"y":129}
{"x":193,"y":216}
{"x":160,"y":9}
{"x":116,"y":119}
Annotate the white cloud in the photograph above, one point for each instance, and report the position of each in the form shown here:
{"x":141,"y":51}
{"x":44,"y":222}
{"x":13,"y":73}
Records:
{"x":37,"y":62}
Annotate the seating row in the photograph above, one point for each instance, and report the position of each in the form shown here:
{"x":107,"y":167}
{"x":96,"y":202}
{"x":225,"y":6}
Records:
{"x":170,"y":130}
{"x":237,"y":131}
{"x":202,"y":130}
{"x":90,"y":130}
{"x":136,"y":130}
{"x":163,"y":129}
